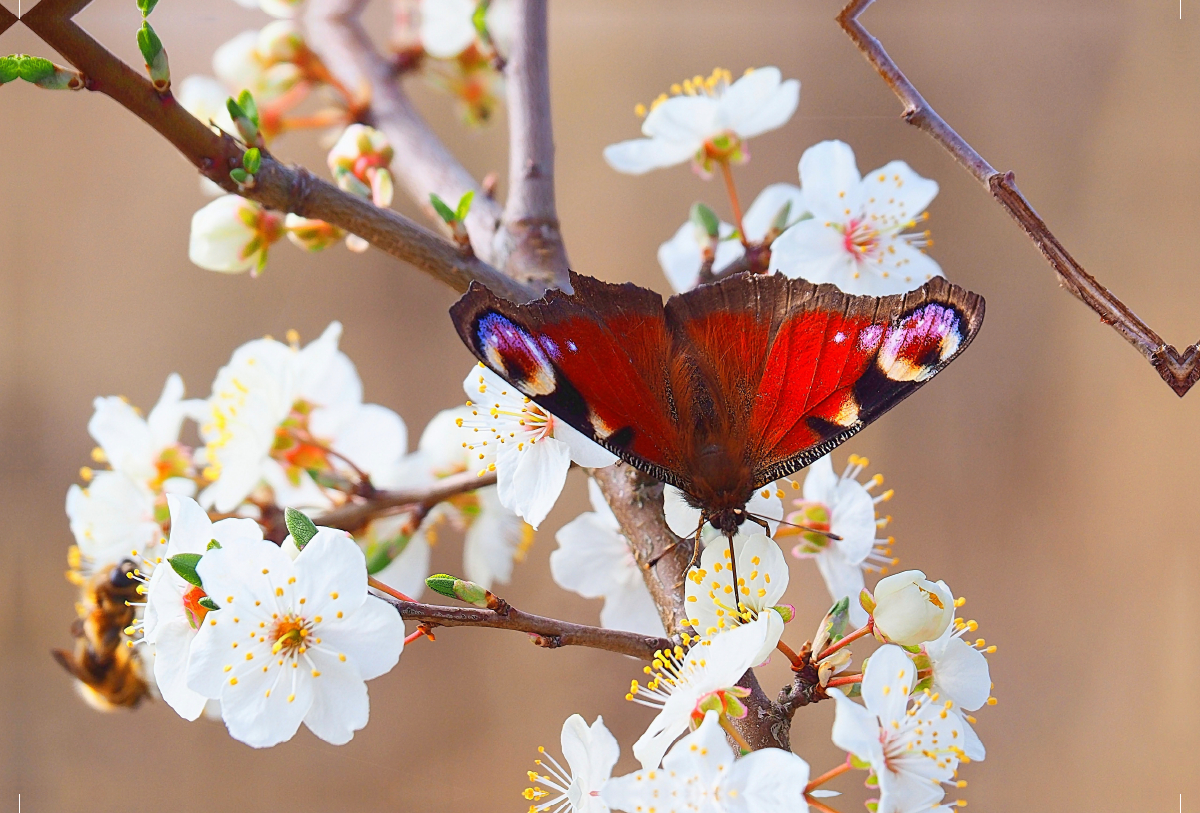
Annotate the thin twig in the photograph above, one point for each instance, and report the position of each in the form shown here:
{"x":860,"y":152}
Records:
{"x":355,"y":515}
{"x":277,"y":186}
{"x":422,"y":164}
{"x":530,"y":245}
{"x":1179,"y":370}
{"x":548,"y":632}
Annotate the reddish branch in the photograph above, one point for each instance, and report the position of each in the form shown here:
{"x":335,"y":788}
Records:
{"x":355,"y":515}
{"x":278,"y":186}
{"x":546,"y":632}
{"x":1179,"y":370}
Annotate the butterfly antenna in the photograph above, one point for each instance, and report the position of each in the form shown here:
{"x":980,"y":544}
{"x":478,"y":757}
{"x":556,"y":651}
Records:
{"x":827,"y":534}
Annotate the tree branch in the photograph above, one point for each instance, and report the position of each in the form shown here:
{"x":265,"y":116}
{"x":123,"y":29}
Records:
{"x":422,"y":163}
{"x":530,"y":245}
{"x":636,"y":499}
{"x":354,"y":516}
{"x":546,"y":632}
{"x":278,"y":186}
{"x":1179,"y":370}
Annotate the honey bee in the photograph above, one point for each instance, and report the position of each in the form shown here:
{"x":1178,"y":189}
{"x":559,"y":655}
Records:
{"x":108,"y":668}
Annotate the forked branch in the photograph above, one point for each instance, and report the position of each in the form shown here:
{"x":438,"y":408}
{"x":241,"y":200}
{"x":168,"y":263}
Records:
{"x":354,"y":516}
{"x":1179,"y":370}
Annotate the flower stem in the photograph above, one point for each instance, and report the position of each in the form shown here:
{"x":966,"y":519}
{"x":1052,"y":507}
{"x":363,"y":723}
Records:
{"x":825,"y":777}
{"x":727,"y":172}
{"x":844,"y":681}
{"x":383,"y":588}
{"x":733,"y":732}
{"x":790,"y":654}
{"x":818,"y":806}
{"x":420,"y":633}
{"x":854,"y":636}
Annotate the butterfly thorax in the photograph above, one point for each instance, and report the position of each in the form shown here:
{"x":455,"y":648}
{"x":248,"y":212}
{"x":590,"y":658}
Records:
{"x":721,"y":486}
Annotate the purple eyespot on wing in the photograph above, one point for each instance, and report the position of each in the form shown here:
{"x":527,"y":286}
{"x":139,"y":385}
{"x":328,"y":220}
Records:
{"x":919,"y":342}
{"x":515,"y":354}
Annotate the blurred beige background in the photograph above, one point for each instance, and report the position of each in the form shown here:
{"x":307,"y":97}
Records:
{"x":1049,"y":475}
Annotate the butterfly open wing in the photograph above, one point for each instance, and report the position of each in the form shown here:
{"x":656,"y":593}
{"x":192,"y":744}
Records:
{"x":770,"y":373}
{"x":803,"y":367}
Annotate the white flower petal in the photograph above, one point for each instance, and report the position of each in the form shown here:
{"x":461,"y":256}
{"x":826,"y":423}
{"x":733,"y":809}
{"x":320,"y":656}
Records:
{"x":584,"y":451}
{"x":812,"y":250}
{"x":372,"y":638}
{"x":960,"y":672}
{"x":766,"y":207}
{"x":530,"y":480}
{"x":769,"y":780}
{"x":640,"y":155}
{"x":171,"y":649}
{"x":855,"y":729}
{"x":887,"y":682}
{"x":340,"y":705}
{"x":896,"y":194}
{"x":682,"y":519}
{"x":830,"y":180}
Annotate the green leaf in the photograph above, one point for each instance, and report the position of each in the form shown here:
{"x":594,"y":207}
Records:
{"x":235,"y":111}
{"x":252,"y":160}
{"x":33,"y":68}
{"x":10,"y":68}
{"x":442,"y":584}
{"x":146,"y":6}
{"x":207,"y":603}
{"x":299,"y":526}
{"x":464,"y":205}
{"x":248,"y":105}
{"x":213,"y":545}
{"x":781,"y":217}
{"x":185,"y":565}
{"x":382,"y":554}
{"x":148,"y":43}
{"x":444,"y":211}
{"x":479,"y":20}
{"x":238,"y":174}
{"x":705,"y":219}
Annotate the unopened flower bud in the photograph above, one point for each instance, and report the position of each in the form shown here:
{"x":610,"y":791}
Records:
{"x":910,"y":609}
{"x":280,"y":41}
{"x":359,"y":162}
{"x":311,"y":234}
{"x":461,"y":589}
{"x":38,"y":71}
{"x":232,"y":235}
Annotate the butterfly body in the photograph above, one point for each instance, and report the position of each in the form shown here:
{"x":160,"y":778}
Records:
{"x":726,"y":388}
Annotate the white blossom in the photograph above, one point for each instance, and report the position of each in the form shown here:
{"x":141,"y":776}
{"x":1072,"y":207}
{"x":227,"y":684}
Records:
{"x":701,"y":774}
{"x":147,"y":449}
{"x":173,"y":614}
{"x":681,"y":680}
{"x":910,"y":609}
{"x":845,"y":507}
{"x":762,"y":577}
{"x":707,"y":120}
{"x":276,"y":8}
{"x":961,"y":674}
{"x":112,"y":519}
{"x":360,"y":162}
{"x":911,"y":749}
{"x":529,"y":448}
{"x":293,"y":641}
{"x":590,"y":754}
{"x":594,"y":560}
{"x":261,"y":61}
{"x":682,"y":256}
{"x":856,"y":237}
{"x":278,"y":412}
{"x":232,"y":234}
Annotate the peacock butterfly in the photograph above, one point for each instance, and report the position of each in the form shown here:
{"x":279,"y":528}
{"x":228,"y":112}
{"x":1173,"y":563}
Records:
{"x":727,"y":387}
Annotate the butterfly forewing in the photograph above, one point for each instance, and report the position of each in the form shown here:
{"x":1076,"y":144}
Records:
{"x":760,"y":373}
